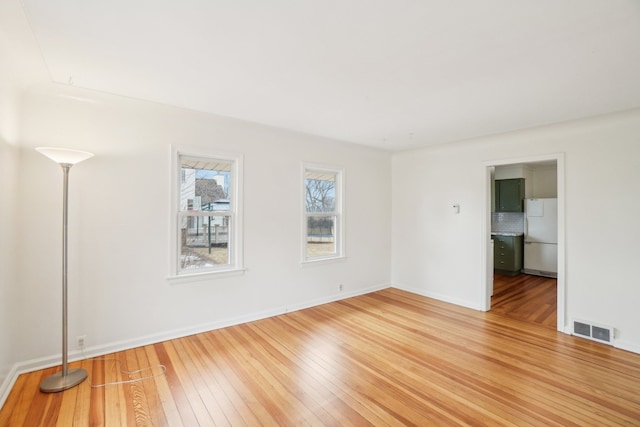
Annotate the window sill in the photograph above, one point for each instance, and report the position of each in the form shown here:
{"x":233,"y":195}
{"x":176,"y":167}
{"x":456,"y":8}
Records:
{"x":208,"y":275}
{"x":322,"y":261}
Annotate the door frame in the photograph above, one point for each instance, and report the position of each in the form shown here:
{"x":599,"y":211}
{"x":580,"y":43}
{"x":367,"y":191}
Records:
{"x":487,"y":280}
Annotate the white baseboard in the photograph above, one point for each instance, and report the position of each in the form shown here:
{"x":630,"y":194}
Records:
{"x":627,"y":346}
{"x":475,"y":305}
{"x":101,"y":350}
{"x":7,"y":384}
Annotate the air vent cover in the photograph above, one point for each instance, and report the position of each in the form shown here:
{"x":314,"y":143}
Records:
{"x":580,"y":328}
{"x":600,"y":333}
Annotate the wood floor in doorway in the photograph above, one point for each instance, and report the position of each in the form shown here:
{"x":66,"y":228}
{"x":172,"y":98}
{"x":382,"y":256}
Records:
{"x":525,"y":297}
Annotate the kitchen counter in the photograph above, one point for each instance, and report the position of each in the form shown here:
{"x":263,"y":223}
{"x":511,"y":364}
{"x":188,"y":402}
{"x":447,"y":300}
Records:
{"x":506,"y":233}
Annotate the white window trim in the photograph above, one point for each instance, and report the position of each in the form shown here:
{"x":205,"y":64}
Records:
{"x":340,"y":254}
{"x":237,"y":251}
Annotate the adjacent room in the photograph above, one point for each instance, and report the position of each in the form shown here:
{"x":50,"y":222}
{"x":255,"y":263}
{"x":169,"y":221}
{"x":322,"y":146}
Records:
{"x":524,"y":234}
{"x":319,"y":213}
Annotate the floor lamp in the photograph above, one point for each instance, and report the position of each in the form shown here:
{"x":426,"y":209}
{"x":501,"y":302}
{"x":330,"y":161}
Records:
{"x":66,"y":378}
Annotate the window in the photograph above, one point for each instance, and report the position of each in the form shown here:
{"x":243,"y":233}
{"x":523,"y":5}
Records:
{"x":322,"y":213}
{"x":208,"y":224}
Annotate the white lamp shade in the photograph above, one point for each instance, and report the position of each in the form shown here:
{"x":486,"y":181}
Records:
{"x":64,"y":155}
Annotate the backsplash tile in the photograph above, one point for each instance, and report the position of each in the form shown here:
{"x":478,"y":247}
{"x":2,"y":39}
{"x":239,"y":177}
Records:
{"x":507,"y":222}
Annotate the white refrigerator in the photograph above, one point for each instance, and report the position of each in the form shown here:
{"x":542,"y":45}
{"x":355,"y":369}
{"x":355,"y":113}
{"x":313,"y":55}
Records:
{"x":541,"y":237}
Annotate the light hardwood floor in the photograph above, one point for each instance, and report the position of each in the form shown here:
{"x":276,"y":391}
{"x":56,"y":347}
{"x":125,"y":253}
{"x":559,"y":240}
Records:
{"x":525,"y":297}
{"x":386,"y":358}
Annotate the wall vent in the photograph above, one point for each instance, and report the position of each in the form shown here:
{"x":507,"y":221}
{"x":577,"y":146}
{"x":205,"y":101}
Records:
{"x":600,"y":333}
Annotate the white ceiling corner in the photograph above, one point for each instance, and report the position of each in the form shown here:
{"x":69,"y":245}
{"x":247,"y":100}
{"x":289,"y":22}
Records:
{"x":389,"y":74}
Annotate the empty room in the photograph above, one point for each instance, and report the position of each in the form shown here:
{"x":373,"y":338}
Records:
{"x":319,"y":213}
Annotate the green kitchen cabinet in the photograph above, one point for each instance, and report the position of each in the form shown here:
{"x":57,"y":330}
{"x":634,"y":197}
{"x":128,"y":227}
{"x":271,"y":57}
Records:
{"x":507,"y":254}
{"x":509,"y":195}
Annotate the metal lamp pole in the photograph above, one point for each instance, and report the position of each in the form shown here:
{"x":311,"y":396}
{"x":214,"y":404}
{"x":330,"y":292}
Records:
{"x":66,"y":378}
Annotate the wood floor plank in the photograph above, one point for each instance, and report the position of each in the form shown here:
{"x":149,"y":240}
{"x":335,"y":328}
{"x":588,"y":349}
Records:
{"x":66,"y":412}
{"x":283,"y":408}
{"x":151,"y":404}
{"x":37,"y":410}
{"x":324,"y":366}
{"x":116,"y":410}
{"x":141,"y":406}
{"x":160,"y":385}
{"x":526,"y":297}
{"x":97,"y":403}
{"x":83,"y":399}
{"x":323,"y":392}
{"x":225,"y":412}
{"x":236,"y":392}
{"x":283,"y":370}
{"x":191,"y":366}
{"x":192,"y":410}
{"x":385,"y":358}
{"x":19,"y":399}
{"x":359,"y":353}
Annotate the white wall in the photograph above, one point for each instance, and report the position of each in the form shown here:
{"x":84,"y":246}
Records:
{"x":438,"y":253}
{"x":8,"y":238}
{"x":544,"y":182}
{"x":19,"y":68}
{"x":119,"y":222}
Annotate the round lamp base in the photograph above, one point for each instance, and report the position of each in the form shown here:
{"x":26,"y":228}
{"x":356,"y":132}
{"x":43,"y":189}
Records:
{"x":57,"y":382}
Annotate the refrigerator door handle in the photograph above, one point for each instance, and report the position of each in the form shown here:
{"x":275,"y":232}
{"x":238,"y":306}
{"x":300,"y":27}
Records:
{"x":526,"y":226}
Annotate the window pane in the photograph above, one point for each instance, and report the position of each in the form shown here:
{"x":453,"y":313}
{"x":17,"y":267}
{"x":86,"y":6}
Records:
{"x":205,"y":185}
{"x":321,"y":236}
{"x":204,"y":241}
{"x":320,"y":191}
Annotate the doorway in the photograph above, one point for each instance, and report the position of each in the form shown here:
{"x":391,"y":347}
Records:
{"x":528,"y":164}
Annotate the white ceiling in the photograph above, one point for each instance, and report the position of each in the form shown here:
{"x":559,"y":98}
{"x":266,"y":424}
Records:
{"x":393,"y":74}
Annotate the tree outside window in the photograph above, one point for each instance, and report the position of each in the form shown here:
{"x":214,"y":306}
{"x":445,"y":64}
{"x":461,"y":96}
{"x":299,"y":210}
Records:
{"x":322,"y":213}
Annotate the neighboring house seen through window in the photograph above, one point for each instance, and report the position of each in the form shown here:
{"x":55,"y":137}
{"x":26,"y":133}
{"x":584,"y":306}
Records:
{"x":208,"y":219}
